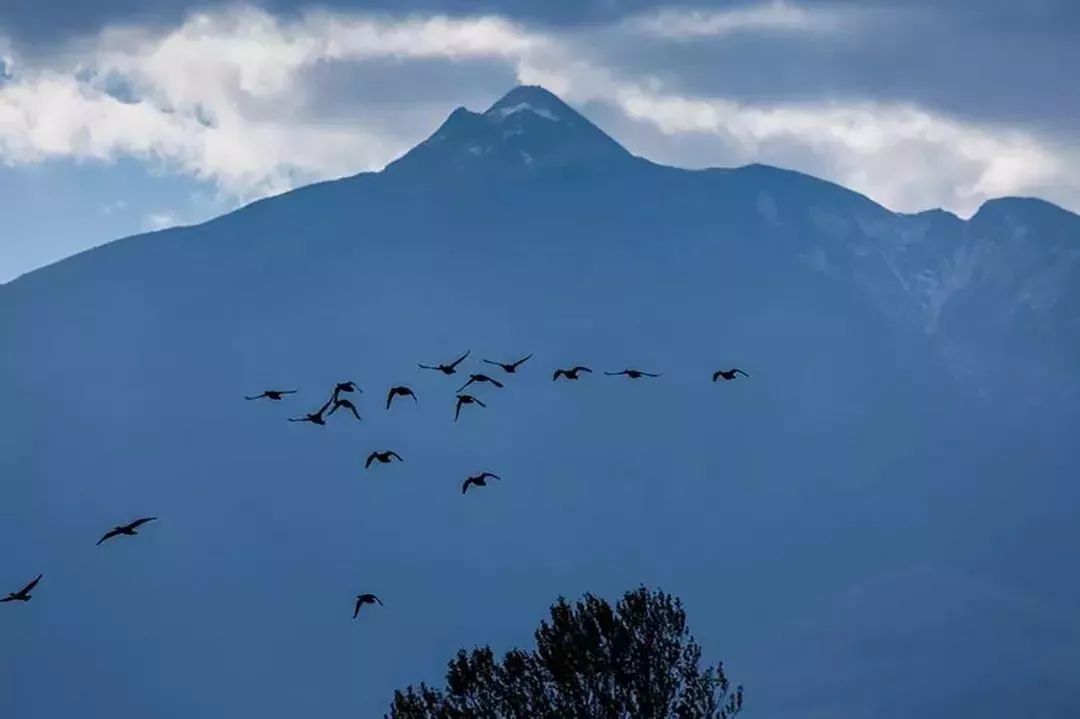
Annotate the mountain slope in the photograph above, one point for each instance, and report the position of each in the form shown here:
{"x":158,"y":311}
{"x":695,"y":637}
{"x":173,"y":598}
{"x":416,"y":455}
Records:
{"x":857,"y":448}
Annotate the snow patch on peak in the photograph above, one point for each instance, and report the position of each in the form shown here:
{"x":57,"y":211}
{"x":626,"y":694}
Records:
{"x":504,"y":112}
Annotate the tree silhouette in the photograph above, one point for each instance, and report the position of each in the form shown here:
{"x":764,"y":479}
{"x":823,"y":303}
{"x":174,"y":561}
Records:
{"x":635,"y":661}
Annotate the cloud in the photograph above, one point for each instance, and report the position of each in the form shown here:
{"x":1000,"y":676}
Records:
{"x":160,"y":220}
{"x":228,"y":97}
{"x":775,"y":16}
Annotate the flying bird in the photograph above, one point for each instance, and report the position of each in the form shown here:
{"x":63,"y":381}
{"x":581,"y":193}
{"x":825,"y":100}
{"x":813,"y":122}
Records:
{"x":314,"y":417}
{"x":480,"y":378}
{"x":126,"y":529}
{"x":479,"y":480}
{"x":728,"y":374}
{"x":463,"y":399}
{"x":632,"y":374}
{"x":344,"y":404}
{"x":23,"y":595}
{"x":446,"y":368}
{"x":274,"y":394}
{"x":510,"y":368}
{"x":571,"y":373}
{"x":349,"y":386}
{"x":400,"y":391}
{"x":362,"y":599}
{"x":382,"y":458}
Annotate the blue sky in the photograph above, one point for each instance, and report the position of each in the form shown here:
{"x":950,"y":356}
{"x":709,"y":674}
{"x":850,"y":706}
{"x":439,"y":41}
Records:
{"x":121,"y":116}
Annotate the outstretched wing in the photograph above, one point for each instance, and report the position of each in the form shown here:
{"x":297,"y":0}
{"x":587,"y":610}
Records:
{"x":717,"y":375}
{"x":457,"y":410}
{"x":396,"y":456}
{"x":390,"y":397}
{"x":495,"y":382}
{"x":497,"y":364}
{"x":472,"y":378}
{"x":108,"y":535}
{"x":739,"y":371}
{"x":425,"y":366}
{"x":474,"y":399}
{"x":377,"y":600}
{"x":258,"y":396}
{"x":356,"y":610}
{"x":370,"y":459}
{"x":29,"y":587}
{"x":141,"y":521}
{"x":558,"y":373}
{"x":615,"y":374}
{"x":460,"y":359}
{"x":465,"y":485}
{"x":651,"y":374}
{"x":579,"y":368}
{"x":490,"y":474}
{"x":521,"y":361}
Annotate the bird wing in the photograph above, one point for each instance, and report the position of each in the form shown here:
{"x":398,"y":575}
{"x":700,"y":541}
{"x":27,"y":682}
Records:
{"x":141,"y":521}
{"x":396,"y":456}
{"x":497,"y":364}
{"x":352,"y":408}
{"x":582,"y":369}
{"x":495,"y":382}
{"x":457,"y":410}
{"x":739,"y":371}
{"x":460,"y":359}
{"x":425,"y":366}
{"x":377,"y":600}
{"x":31,"y":585}
{"x":329,"y":402}
{"x":108,"y":535}
{"x":287,"y":391}
{"x":716,"y":375}
{"x":557,"y":373}
{"x":522,"y":360}
{"x":651,"y":374}
{"x":258,"y":396}
{"x":472,"y":378}
{"x":465,"y":485}
{"x":356,"y":610}
{"x":615,"y":374}
{"x":474,"y":399}
{"x":370,"y":459}
{"x":491,"y":474}
{"x":390,"y":397}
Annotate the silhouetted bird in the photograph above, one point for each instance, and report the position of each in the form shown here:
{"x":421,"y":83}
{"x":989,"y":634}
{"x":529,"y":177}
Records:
{"x":274,"y":394}
{"x":400,"y":391}
{"x":632,"y":374}
{"x":127,"y":529}
{"x":344,"y":404}
{"x":382,"y":458}
{"x":728,"y":374}
{"x":346,"y":387}
{"x":362,"y":599}
{"x":23,"y":595}
{"x":465,"y":399}
{"x":479,"y":480}
{"x":480,"y":378}
{"x":446,"y":368}
{"x":569,"y":373}
{"x":512,"y":367}
{"x":314,"y":417}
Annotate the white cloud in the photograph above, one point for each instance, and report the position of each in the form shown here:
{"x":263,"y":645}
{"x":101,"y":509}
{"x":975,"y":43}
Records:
{"x":227,"y":97}
{"x":160,"y":220}
{"x":777,"y":16}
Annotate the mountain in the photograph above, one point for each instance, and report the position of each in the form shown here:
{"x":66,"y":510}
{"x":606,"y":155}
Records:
{"x":905,"y":432}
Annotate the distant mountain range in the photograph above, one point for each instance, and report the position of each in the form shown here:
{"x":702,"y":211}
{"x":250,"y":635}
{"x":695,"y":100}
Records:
{"x":905,"y":433}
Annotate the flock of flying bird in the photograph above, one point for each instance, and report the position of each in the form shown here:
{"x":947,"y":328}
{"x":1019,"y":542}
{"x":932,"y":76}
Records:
{"x":337,"y":402}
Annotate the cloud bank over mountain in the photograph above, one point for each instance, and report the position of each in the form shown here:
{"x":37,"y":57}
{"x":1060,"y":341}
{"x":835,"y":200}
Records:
{"x":256,"y":102}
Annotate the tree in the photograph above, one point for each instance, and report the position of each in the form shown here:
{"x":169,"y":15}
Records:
{"x":636,"y":661}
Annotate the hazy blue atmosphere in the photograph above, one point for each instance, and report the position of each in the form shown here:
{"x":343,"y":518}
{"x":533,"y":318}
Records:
{"x":879,"y":522}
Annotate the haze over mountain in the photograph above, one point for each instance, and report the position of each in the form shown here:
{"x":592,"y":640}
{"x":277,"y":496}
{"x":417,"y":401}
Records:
{"x":891,"y":488}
